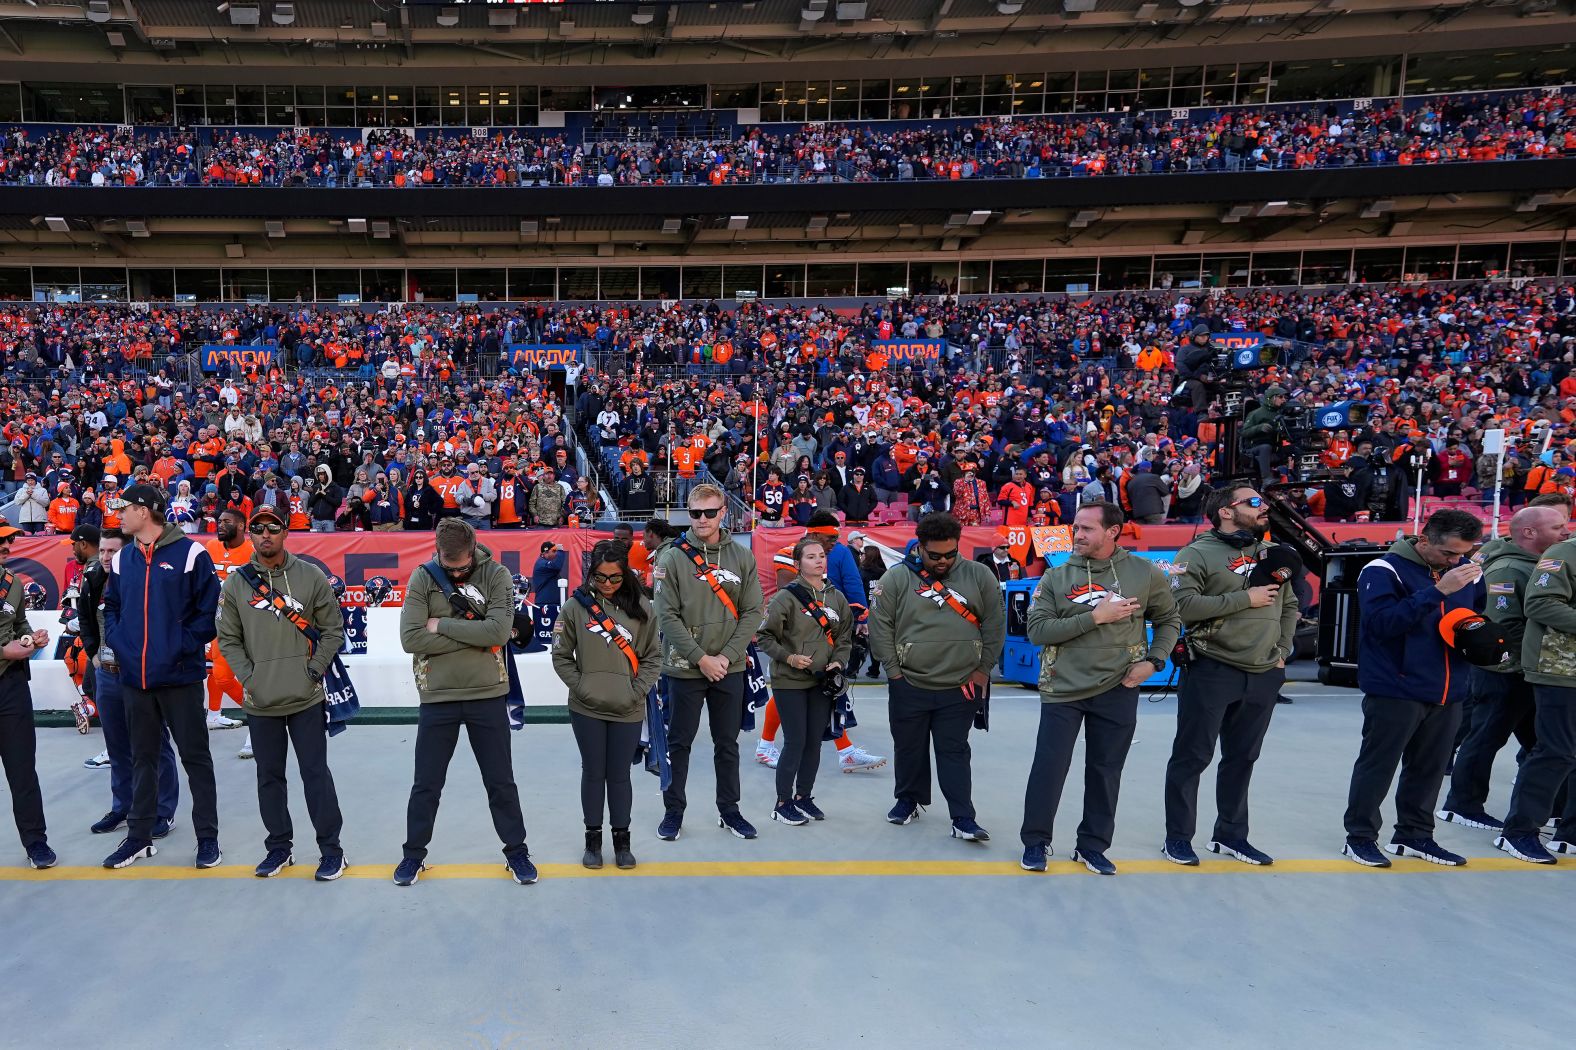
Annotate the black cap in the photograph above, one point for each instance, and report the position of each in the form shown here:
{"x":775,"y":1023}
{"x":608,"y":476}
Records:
{"x":1278,"y":564}
{"x":85,"y":534}
{"x":1482,"y":643}
{"x":141,"y":495}
{"x":267,"y":512}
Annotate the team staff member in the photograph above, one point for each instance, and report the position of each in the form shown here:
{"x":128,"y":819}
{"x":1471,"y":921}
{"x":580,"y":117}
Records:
{"x":1548,"y":654}
{"x":1413,"y":685}
{"x":160,"y":610}
{"x":938,"y":624}
{"x":18,"y":739}
{"x":455,"y":623}
{"x":260,"y":637}
{"x":229,"y":550}
{"x":1238,"y":636}
{"x":708,"y":602}
{"x":1502,"y":698}
{"x":1088,"y":613}
{"x":808,"y":633}
{"x":606,"y":650}
{"x":112,"y":705}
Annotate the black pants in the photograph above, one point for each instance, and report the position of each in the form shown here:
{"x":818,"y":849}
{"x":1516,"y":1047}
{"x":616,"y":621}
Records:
{"x":19,"y":754}
{"x":1416,"y":736}
{"x":923,"y":719}
{"x":438,"y":725}
{"x":724,"y":704}
{"x":805,"y":714}
{"x":271,"y":738}
{"x":1218,"y":702}
{"x":607,"y":751}
{"x":1108,"y":720}
{"x":1502,"y":706}
{"x":1547,"y":769}
{"x":184,"y":710}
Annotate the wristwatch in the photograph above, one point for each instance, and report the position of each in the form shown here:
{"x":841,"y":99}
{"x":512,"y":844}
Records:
{"x":316,"y":675}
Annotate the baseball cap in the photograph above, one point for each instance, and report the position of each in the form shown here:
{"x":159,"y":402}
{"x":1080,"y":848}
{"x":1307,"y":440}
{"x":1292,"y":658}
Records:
{"x":268,"y":513}
{"x":549,"y":546}
{"x":85,"y":534}
{"x":1480,"y":642}
{"x":1278,"y":564}
{"x":8,"y":531}
{"x":145,"y":496}
{"x":852,"y":536}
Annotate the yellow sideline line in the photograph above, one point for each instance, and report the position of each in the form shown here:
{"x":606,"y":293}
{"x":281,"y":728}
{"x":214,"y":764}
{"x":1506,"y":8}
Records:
{"x":768,"y":869}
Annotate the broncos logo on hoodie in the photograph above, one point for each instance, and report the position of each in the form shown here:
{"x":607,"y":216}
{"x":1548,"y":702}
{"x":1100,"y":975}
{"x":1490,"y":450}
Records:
{"x":1090,"y":594}
{"x":1242,"y":564}
{"x":607,"y":639}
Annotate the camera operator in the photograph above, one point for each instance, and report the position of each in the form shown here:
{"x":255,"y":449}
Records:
{"x":1195,"y":360}
{"x":1261,"y":431}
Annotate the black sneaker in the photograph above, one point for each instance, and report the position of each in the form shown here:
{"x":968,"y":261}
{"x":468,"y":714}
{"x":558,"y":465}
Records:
{"x":520,"y":868}
{"x":672,"y":825}
{"x":109,"y":822}
{"x":1179,"y":851}
{"x":40,"y":856}
{"x":1480,"y":820}
{"x":1526,"y":847}
{"x":966,"y":829}
{"x":808,"y":807}
{"x":129,"y":852}
{"x":788,"y":813}
{"x":208,"y":855}
{"x":1561,"y":846}
{"x":904,"y":812}
{"x":1365,"y":852}
{"x":1095,"y":861}
{"x":1034,"y":857}
{"x":162,"y":827}
{"x":1427,"y":849}
{"x":1242,"y":850}
{"x":736,"y":823}
{"x":408,"y":872}
{"x":330,"y":868}
{"x":276,"y":861}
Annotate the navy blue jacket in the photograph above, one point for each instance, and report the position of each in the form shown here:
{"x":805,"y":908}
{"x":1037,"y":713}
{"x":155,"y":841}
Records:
{"x":545,"y":575}
{"x":160,"y":619}
{"x":1399,"y":651}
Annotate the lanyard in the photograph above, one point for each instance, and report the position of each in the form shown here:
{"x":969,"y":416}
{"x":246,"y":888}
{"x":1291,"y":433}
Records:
{"x":610,"y":628}
{"x":935,"y":586}
{"x":816,"y":610}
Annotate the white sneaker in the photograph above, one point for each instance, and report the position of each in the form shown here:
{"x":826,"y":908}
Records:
{"x":98,"y":761}
{"x":767,"y":753}
{"x":219,"y":721}
{"x":246,"y":748}
{"x":857,"y":760}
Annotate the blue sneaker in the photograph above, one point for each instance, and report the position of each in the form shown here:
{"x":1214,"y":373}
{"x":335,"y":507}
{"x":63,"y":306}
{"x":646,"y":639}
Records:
{"x":736,"y":823}
{"x":1365,"y":852}
{"x":162,"y":827}
{"x":1034,"y":857}
{"x":1179,"y":851}
{"x":40,"y":856}
{"x":1529,"y":848}
{"x":788,"y":813}
{"x":109,"y":822}
{"x":208,"y":855}
{"x":276,"y":861}
{"x":966,"y":829}
{"x":129,"y":852}
{"x":904,"y":812}
{"x":1480,"y":820}
{"x":808,"y":807}
{"x":408,"y":872}
{"x":330,"y":868}
{"x":672,"y":825}
{"x":520,"y":867}
{"x":1242,"y":850}
{"x":1094,"y":861}
{"x":1426,"y":849}
{"x":1561,"y":846}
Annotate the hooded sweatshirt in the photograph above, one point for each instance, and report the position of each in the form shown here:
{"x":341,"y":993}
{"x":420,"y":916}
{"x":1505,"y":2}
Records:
{"x":1548,"y":652}
{"x":1082,"y":658}
{"x":602,"y":683}
{"x":918,"y":636}
{"x":159,"y":610}
{"x":464,"y":660}
{"x":1211,"y":592}
{"x":789,"y":630}
{"x":13,"y":624}
{"x":694,"y":621}
{"x":1507,"y":569}
{"x":269,"y":654}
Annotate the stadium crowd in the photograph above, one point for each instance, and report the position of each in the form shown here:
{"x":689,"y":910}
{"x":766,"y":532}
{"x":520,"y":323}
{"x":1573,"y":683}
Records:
{"x":1442,"y":129}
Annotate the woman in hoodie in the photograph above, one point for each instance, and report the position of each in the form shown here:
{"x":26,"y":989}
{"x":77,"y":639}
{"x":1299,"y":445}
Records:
{"x":325,"y":501}
{"x":183,"y":508}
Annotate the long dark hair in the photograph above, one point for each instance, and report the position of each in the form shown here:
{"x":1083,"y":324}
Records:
{"x":627,"y":598}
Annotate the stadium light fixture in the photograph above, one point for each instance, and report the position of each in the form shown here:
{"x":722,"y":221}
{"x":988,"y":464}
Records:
{"x":738,"y":222}
{"x":356,"y":225}
{"x":979,"y":218}
{"x":852,"y":10}
{"x":283,"y":14}
{"x":137,"y":227}
{"x":813,"y":10}
{"x":1377,"y":208}
{"x":643,"y":15}
{"x":529,"y":227}
{"x":672,"y":225}
{"x":1078,"y":7}
{"x":98,"y":10}
{"x":274,"y":227}
{"x":57,"y":224}
{"x":1008,"y":7}
{"x":245,"y":15}
{"x":448,"y":16}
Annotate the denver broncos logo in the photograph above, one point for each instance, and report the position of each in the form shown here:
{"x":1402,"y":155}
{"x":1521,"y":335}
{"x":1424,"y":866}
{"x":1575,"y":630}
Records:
{"x":1242,"y":564}
{"x":721,"y":575}
{"x":828,"y":612}
{"x":267,"y":605}
{"x":607,"y":639}
{"x":1088,"y":594}
{"x":939,"y":598}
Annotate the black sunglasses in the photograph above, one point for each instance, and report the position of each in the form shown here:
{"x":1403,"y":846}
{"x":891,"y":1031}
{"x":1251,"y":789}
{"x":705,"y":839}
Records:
{"x":602,"y":577}
{"x":266,"y":528}
{"x":705,"y":512}
{"x":942,"y":555}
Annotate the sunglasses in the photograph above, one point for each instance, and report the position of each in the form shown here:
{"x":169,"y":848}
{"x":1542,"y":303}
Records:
{"x":705,"y":512}
{"x":602,"y":577}
{"x":266,"y":528}
{"x":941,"y":555}
{"x":1253,"y":501}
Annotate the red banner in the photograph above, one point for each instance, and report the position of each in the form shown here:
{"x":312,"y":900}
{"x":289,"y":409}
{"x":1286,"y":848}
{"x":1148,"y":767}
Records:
{"x":354,"y":557}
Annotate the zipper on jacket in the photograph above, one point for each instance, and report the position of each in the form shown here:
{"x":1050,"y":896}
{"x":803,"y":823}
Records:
{"x":1445,"y":697}
{"x":147,"y":586}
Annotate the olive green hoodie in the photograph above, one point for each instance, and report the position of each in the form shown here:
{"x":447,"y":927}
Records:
{"x":601,"y":684}
{"x":925,"y":641}
{"x":1210,"y":586}
{"x":464,"y":660}
{"x":13,"y":622}
{"x":694,"y":622}
{"x":269,"y":654}
{"x":788,"y":630}
{"x":1081,"y":658}
{"x":1548,"y":652}
{"x":1506,"y":571}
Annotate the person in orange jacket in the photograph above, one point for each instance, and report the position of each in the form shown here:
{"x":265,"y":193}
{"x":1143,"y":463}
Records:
{"x":62,"y":516}
{"x":229,"y":549}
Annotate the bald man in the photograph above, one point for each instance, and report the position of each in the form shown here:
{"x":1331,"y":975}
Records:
{"x":1502,"y":701}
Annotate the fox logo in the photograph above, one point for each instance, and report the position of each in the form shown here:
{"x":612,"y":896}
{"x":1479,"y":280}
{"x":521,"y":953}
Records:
{"x":721,"y":575}
{"x":1090,"y":594}
{"x":607,"y":639}
{"x":1242,"y":564}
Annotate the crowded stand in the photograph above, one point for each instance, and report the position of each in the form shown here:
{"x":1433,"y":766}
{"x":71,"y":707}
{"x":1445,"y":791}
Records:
{"x":374,"y":418}
{"x":1430,"y":130}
